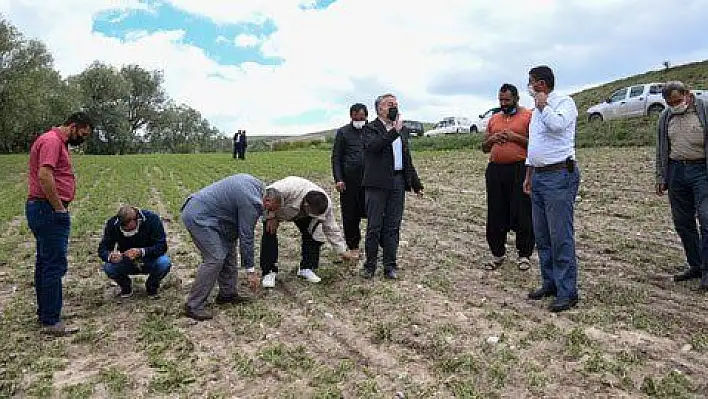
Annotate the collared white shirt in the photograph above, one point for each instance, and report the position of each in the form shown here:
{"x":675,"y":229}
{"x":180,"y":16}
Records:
{"x":552,"y":132}
{"x":397,"y":147}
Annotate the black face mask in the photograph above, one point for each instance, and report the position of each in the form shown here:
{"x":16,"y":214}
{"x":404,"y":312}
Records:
{"x":75,"y":141}
{"x":392,"y":113}
{"x":509,"y":110}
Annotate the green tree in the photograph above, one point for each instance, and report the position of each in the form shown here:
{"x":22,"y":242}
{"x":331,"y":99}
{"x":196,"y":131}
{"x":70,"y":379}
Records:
{"x":33,"y":97}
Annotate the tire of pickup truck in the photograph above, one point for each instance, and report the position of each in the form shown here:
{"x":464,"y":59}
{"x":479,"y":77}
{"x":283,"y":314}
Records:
{"x":473,"y":129}
{"x":655,"y":109}
{"x":596,"y":117}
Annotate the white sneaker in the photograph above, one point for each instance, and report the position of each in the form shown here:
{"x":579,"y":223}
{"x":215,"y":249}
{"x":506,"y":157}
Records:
{"x":309,"y":275}
{"x":269,"y":280}
{"x":523,"y":263}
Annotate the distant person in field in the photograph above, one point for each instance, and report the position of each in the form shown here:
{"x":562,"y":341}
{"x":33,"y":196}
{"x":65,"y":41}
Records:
{"x":508,"y":207}
{"x":348,"y":171}
{"x":310,"y":208}
{"x":552,"y":180}
{"x":237,"y":136}
{"x":388,"y":174}
{"x":681,"y":168}
{"x":134,"y":242}
{"x":52,"y":187}
{"x":242,"y":144}
{"x":218,"y":217}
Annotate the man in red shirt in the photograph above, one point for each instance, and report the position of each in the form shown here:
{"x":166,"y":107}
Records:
{"x":51,"y":189}
{"x":508,"y":208}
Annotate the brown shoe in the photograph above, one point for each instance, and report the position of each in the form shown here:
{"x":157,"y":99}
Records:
{"x":59,"y":330}
{"x":201,"y":314}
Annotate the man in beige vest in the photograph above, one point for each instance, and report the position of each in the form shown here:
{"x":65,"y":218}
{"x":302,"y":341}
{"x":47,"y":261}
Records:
{"x":681,"y":168}
{"x":310,"y":208}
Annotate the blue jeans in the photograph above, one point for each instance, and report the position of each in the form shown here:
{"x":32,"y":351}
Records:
{"x":156,"y":269}
{"x":553,"y":198}
{"x":688,"y":196}
{"x":51,"y":231}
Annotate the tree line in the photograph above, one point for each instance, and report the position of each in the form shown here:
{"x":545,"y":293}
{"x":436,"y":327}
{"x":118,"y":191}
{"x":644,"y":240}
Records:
{"x":129,"y":105}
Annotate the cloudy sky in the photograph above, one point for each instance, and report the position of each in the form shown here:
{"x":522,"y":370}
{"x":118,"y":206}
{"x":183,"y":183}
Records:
{"x":295,"y":66}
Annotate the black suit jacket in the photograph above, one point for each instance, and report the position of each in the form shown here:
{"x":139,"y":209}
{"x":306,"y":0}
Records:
{"x":378,"y":157}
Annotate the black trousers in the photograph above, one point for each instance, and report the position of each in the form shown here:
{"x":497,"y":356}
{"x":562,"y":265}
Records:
{"x":384,"y":210}
{"x":310,"y":248}
{"x":508,"y":208}
{"x":353,"y":210}
{"x":242,"y":153}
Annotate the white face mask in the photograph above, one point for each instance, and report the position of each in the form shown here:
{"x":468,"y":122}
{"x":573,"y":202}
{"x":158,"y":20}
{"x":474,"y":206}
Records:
{"x":130,"y":233}
{"x":358,"y":124}
{"x":679,"y":109}
{"x":532,"y":92}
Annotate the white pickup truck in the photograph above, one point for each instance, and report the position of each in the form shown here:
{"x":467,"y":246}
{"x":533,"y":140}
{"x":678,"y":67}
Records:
{"x":644,"y":99}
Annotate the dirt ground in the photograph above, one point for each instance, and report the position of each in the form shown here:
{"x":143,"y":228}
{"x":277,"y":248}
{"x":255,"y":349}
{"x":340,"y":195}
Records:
{"x":446,"y":328}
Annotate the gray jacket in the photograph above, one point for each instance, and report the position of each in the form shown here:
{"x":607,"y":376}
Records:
{"x":232,"y":206}
{"x":663,"y":146}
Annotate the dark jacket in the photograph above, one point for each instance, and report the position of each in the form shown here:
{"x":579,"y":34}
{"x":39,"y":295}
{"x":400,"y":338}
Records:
{"x":348,"y":154}
{"x":150,"y":237}
{"x":378,"y":157}
{"x":663,"y":146}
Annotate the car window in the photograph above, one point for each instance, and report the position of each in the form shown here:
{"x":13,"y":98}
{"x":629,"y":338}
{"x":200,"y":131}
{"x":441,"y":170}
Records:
{"x":618,"y":95}
{"x":636,"y":91}
{"x":656,"y":89}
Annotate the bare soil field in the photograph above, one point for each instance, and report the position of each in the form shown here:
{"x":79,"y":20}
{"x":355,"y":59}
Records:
{"x":446,"y":328}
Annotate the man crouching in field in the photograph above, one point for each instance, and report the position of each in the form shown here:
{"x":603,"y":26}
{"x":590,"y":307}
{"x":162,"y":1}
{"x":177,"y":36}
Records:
{"x":307,"y":205}
{"x":216,"y":217}
{"x":134,"y":242}
{"x":52,"y":187}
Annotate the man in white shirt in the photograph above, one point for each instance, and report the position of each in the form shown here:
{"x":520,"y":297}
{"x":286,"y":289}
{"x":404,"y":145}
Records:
{"x":552,"y":180}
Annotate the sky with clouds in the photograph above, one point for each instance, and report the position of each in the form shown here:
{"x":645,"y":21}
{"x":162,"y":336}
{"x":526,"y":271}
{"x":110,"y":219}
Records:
{"x":295,"y":66}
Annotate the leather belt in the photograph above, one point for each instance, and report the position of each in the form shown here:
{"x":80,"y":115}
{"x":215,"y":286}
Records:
{"x":690,"y":161}
{"x":65,"y":203}
{"x":567,"y":164}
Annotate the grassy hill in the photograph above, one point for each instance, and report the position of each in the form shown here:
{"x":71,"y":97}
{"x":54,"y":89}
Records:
{"x":634,"y":131}
{"x":694,"y":74}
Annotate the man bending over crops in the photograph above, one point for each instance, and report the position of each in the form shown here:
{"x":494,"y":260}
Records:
{"x":305,"y":204}
{"x":217,"y":217}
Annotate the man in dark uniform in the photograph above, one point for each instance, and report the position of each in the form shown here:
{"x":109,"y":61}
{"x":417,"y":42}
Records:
{"x":348,"y":170}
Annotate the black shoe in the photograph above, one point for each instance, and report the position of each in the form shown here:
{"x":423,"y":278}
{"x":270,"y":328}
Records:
{"x":153,"y":293}
{"x":560,"y":305}
{"x":689,"y":274}
{"x":199,"y":315}
{"x":541,"y":293}
{"x":231,"y":300}
{"x":126,"y":291}
{"x":703,"y":286}
{"x":391,"y":275}
{"x":366,"y":273}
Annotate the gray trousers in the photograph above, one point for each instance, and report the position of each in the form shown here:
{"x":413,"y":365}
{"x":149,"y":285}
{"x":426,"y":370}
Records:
{"x":384,"y":209}
{"x":217,"y":243}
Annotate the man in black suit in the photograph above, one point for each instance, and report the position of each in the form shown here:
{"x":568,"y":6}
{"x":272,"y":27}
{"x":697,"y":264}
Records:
{"x":348,"y":170}
{"x":237,"y":144}
{"x":388,"y":174}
